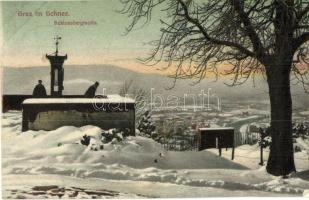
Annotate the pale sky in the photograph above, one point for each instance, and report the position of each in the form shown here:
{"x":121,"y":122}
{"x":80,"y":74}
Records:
{"x":26,"y":39}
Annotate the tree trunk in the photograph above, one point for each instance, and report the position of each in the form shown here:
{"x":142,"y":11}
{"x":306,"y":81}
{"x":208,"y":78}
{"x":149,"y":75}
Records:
{"x":281,"y":156}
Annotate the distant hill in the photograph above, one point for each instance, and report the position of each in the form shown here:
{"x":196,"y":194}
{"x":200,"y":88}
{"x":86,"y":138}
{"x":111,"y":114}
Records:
{"x":78,"y":79}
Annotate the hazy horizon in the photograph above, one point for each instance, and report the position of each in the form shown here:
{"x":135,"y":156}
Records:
{"x":79,"y":77}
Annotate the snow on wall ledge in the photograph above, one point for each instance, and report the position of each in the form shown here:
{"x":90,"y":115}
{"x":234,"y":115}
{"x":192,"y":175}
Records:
{"x":98,"y":99}
{"x":51,"y":113}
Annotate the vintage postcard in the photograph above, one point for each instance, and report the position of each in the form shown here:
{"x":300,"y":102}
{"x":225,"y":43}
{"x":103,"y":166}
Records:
{"x":154,"y":99}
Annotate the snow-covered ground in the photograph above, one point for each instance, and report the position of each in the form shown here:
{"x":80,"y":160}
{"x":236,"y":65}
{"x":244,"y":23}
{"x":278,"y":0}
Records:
{"x":304,"y":113}
{"x":42,"y":164}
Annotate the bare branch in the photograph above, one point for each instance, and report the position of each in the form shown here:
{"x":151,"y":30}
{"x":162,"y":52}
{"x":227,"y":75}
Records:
{"x":257,"y":44}
{"x":301,"y":40}
{"x":213,"y":40}
{"x":245,"y":37}
{"x":302,"y":13}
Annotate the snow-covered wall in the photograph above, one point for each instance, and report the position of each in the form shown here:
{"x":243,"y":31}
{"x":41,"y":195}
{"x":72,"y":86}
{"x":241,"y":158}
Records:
{"x":50,"y":114}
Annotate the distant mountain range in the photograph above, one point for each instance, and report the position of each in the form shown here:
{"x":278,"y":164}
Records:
{"x":79,"y":78}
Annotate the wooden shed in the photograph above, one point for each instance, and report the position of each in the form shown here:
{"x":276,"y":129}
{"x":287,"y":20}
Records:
{"x":219,"y":138}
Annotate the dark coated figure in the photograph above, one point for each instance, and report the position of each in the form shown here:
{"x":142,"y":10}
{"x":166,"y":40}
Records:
{"x":39,"y":90}
{"x":90,"y":93}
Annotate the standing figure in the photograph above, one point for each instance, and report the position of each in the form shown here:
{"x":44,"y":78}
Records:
{"x":90,"y":93}
{"x":39,"y":91}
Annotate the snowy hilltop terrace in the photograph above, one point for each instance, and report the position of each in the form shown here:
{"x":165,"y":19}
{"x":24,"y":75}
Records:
{"x":87,"y":162}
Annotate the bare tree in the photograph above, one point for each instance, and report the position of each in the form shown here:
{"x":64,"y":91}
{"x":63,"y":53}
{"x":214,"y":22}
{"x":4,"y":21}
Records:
{"x":128,"y":89}
{"x":125,"y":88}
{"x":242,"y":38}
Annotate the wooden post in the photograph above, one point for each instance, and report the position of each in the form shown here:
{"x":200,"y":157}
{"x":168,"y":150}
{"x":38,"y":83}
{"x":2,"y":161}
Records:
{"x":25,"y":120}
{"x":261,"y":155}
{"x":233,"y":150}
{"x":261,"y":147}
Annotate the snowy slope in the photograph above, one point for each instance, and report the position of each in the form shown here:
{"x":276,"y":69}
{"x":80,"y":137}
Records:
{"x":135,"y":167}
